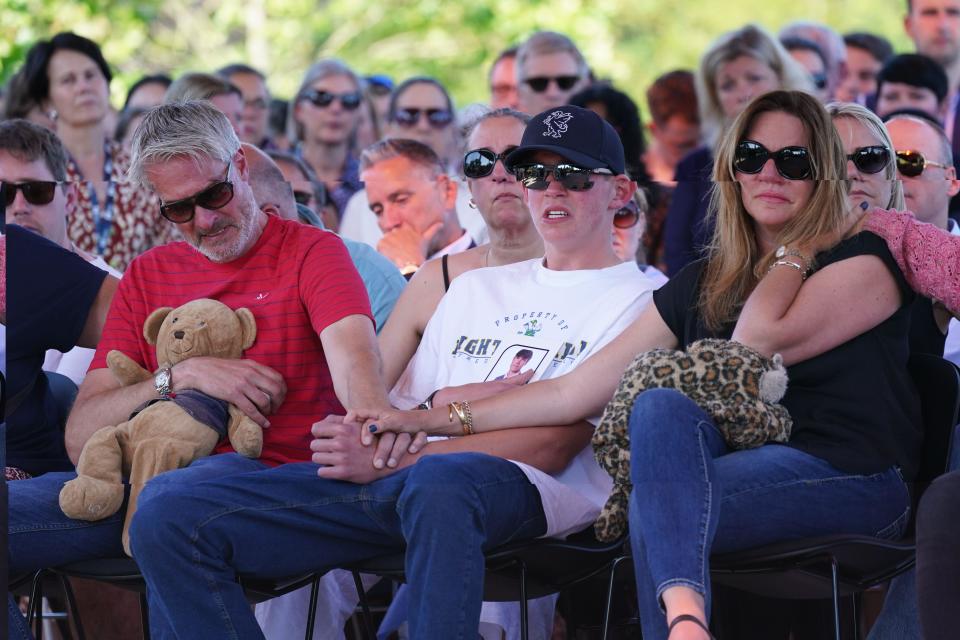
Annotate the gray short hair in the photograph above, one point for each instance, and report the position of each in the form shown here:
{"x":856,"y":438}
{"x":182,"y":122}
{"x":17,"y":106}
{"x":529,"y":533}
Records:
{"x":416,"y":152}
{"x":194,"y":129}
{"x":544,"y":42}
{"x":198,"y":86}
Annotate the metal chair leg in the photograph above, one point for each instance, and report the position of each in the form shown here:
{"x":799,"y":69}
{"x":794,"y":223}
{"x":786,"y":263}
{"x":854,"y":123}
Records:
{"x":365,"y":606}
{"x":312,"y":612}
{"x":608,"y":608}
{"x":35,"y":611}
{"x":835,"y":578}
{"x":72,"y":608}
{"x":524,"y":622}
{"x":144,"y":616}
{"x":854,"y":599}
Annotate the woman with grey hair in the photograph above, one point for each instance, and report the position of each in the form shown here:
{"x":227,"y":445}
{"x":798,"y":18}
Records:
{"x":323,"y":123}
{"x":739,"y":66}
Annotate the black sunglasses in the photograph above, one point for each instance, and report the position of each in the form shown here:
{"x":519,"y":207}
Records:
{"x":627,"y":217}
{"x":819,"y":80}
{"x":438,"y":118}
{"x":539,"y":84}
{"x":216,"y":196}
{"x":872,"y":159}
{"x":912,"y":163}
{"x":793,"y":163}
{"x":36,"y":192}
{"x":302,"y":197}
{"x":534,"y":176}
{"x":323,"y":99}
{"x":479,"y":163}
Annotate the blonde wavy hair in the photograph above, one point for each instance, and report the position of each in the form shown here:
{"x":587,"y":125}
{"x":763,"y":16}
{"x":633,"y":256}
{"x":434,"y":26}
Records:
{"x":754,"y":42}
{"x":875,"y":126}
{"x":734,"y":260}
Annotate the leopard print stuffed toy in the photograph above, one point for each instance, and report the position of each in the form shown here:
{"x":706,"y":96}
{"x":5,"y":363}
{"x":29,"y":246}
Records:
{"x":735,"y":385}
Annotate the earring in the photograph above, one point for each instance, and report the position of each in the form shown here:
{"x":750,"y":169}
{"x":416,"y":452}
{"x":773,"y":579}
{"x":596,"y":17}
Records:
{"x":472,"y":204}
{"x":53,"y":115}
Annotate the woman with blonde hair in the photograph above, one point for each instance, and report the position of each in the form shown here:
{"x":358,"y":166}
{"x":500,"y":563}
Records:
{"x":737,"y":67}
{"x":781,"y":210}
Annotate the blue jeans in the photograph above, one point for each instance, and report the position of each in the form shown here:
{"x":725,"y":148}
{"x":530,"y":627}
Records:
{"x":693,"y":497}
{"x":40,"y":535}
{"x":446,"y":510}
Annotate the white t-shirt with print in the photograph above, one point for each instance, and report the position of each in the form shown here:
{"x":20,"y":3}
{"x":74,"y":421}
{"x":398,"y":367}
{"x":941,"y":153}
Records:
{"x":554,"y":320}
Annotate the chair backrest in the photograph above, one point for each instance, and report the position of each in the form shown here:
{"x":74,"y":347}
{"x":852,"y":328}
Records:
{"x":938,"y":382}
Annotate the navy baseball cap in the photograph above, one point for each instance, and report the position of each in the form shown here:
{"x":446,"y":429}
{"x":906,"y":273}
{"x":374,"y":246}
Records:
{"x":578,"y":135}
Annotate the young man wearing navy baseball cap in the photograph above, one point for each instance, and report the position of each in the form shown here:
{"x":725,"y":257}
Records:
{"x":454,"y":498}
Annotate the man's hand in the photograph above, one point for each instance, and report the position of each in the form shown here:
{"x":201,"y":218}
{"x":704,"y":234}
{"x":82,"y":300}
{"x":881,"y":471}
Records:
{"x":255,"y":389}
{"x":337,"y":446}
{"x":405,"y":246}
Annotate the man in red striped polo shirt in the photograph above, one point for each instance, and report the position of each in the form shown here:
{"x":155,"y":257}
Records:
{"x":315,"y":352}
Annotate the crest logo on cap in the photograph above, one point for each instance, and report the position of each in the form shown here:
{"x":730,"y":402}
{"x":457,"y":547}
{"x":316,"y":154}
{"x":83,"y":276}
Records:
{"x":557,"y":123}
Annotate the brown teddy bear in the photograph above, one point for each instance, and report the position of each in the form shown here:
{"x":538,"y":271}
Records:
{"x":737,"y":386}
{"x":166,"y":433}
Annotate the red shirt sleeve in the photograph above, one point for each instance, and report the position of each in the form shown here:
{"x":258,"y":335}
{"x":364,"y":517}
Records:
{"x":330,"y":287}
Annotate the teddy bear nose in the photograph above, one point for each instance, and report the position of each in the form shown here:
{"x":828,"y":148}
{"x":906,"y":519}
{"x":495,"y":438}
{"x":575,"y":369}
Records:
{"x":178,"y":335}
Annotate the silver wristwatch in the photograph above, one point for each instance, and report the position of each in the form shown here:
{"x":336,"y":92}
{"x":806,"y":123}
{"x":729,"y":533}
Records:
{"x":163,"y":382}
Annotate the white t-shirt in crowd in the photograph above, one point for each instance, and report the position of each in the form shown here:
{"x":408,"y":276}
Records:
{"x":359,"y":223}
{"x":557,"y":319}
{"x":74,"y":363}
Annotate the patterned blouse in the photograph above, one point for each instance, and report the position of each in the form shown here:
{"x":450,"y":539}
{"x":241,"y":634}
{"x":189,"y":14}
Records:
{"x":136,"y":223}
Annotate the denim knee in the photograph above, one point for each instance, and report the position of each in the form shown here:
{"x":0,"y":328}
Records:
{"x":659,"y":417}
{"x":157,"y":522}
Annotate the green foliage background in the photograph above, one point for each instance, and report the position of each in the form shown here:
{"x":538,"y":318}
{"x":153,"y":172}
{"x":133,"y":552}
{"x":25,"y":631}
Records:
{"x":628,"y":41}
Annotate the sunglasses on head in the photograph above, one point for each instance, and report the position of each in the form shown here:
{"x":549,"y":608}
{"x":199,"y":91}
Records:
{"x":323,"y":99}
{"x":912,"y":163}
{"x":438,"y":118}
{"x":872,"y":159}
{"x":216,"y":196}
{"x":36,"y":192}
{"x":627,"y":217}
{"x":539,"y":84}
{"x":534,"y":176}
{"x":479,"y":163}
{"x":793,"y":163}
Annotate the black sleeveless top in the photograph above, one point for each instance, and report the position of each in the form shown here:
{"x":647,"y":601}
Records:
{"x":854,"y":406}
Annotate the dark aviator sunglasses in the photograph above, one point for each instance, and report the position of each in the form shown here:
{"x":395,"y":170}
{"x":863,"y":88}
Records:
{"x":323,"y":99}
{"x":539,"y":84}
{"x":216,"y":196}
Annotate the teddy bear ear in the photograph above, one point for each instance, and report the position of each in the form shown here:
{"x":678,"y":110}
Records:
{"x":249,"y":326}
{"x":151,"y":327}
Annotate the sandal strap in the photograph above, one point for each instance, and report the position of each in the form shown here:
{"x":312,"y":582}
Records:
{"x":686,"y":617}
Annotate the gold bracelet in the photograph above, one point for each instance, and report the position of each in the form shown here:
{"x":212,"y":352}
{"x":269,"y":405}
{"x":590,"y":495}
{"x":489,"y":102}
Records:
{"x":464,"y":414}
{"x":790,"y":263}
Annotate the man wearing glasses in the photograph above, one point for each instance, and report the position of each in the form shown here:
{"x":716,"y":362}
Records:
{"x":256,"y":103}
{"x":315,"y":351}
{"x":549,"y":70}
{"x":444,"y":509}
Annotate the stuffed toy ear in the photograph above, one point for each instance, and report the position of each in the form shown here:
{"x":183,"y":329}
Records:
{"x":249,"y":327}
{"x":151,"y":327}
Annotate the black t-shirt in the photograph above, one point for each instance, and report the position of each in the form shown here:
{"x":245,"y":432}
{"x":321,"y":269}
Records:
{"x":854,"y":406}
{"x":925,"y":333}
{"x":49,"y":295}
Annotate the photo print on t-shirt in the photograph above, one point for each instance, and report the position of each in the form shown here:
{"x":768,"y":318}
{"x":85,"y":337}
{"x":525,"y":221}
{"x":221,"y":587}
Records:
{"x":515,"y":360}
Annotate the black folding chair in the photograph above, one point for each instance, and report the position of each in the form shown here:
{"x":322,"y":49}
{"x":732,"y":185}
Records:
{"x":846,"y":565}
{"x":520,"y":571}
{"x":124,"y":573}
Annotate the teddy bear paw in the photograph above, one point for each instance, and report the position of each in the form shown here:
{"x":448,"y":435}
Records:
{"x":87,"y":498}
